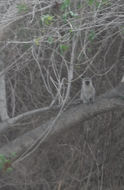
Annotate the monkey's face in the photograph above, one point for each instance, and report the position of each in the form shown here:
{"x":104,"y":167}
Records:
{"x":87,"y":81}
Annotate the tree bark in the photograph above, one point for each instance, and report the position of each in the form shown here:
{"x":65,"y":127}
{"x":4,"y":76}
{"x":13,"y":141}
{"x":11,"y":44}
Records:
{"x":69,"y":118}
{"x":111,"y":100}
{"x":3,"y":105}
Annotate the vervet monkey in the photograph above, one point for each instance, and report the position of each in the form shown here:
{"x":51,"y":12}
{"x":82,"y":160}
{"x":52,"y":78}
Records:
{"x":87,"y":91}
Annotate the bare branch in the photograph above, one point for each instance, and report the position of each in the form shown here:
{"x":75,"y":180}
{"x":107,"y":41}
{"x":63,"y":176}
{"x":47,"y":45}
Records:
{"x":68,"y":119}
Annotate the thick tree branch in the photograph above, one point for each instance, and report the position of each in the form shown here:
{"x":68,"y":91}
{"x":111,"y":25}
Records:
{"x":3,"y":104}
{"x":5,"y":125}
{"x":71,"y":117}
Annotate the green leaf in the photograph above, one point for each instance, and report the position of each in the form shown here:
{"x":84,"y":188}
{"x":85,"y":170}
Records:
{"x":22,"y":7}
{"x":122,"y":30}
{"x":65,"y":5}
{"x":70,"y":30}
{"x":63,"y":48}
{"x":2,"y":157}
{"x":9,"y":169}
{"x":79,"y":6}
{"x":92,"y":35}
{"x":50,"y":40}
{"x":73,"y":14}
{"x":8,"y":161}
{"x":97,"y":4}
{"x":47,"y":19}
{"x":2,"y":160}
{"x":91,"y":2}
{"x":37,"y":41}
{"x":65,"y":16}
{"x":1,"y":165}
{"x":105,"y":2}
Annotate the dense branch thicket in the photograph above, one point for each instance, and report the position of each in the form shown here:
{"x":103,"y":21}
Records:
{"x":51,"y":45}
{"x":47,"y":47}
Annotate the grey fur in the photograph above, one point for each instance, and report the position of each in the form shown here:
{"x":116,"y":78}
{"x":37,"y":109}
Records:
{"x":87,"y":91}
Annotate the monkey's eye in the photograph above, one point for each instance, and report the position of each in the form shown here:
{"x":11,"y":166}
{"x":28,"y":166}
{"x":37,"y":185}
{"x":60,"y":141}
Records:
{"x":87,"y":82}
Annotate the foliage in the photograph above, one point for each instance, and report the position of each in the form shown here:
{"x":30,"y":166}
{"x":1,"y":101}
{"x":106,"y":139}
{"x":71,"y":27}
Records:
{"x":5,"y":164}
{"x":63,"y":48}
{"x":47,"y":19}
{"x":50,"y":40}
{"x":52,"y":29}
{"x":22,"y":7}
{"x":65,"y":5}
{"x":97,"y":3}
{"x":37,"y":41}
{"x":92,"y":35}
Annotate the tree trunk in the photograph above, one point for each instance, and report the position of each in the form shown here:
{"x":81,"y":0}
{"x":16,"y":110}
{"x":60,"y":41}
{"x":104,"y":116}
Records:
{"x":3,"y":103}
